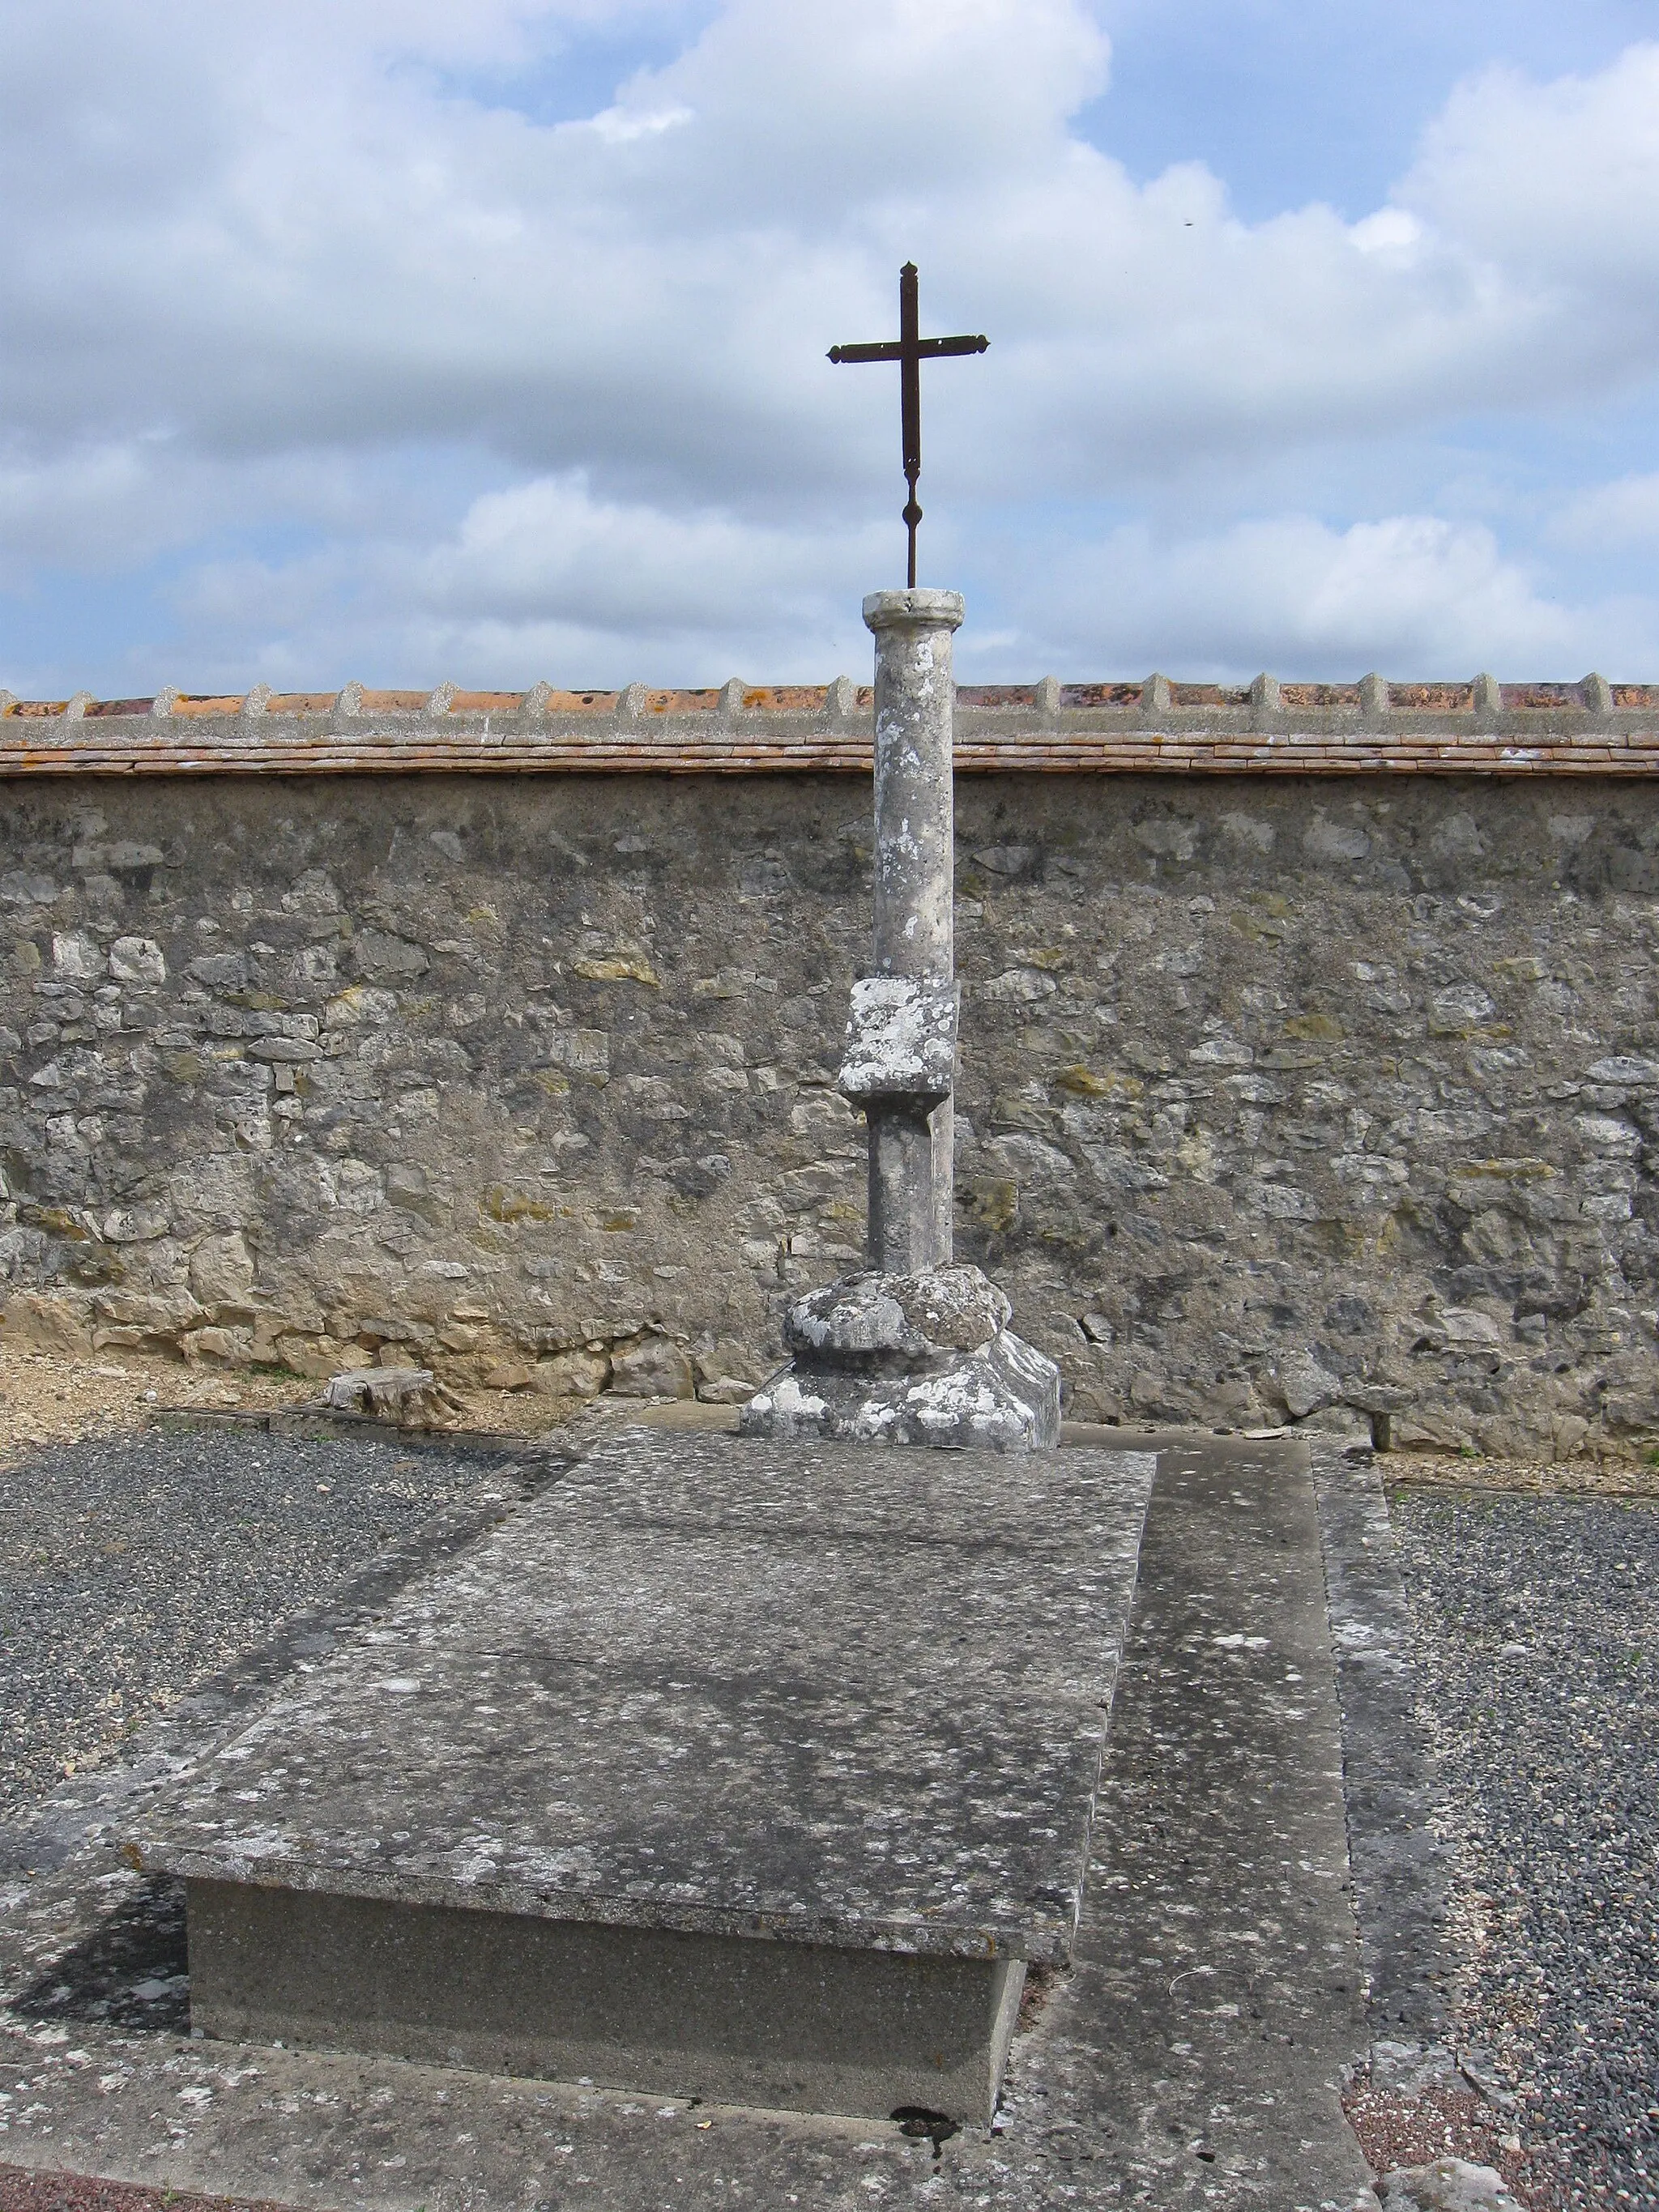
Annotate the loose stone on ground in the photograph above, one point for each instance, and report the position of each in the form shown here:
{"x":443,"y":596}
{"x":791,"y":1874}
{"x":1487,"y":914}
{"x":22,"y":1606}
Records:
{"x":1616,"y":1476}
{"x":21,"y":2191}
{"x":1447,"y":2184}
{"x":45,"y":1399}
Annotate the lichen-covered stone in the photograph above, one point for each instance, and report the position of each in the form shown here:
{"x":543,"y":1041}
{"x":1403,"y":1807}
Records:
{"x":865,"y":1318}
{"x":900,"y":1040}
{"x":926,"y":1358}
{"x":410,"y":1395}
{"x":1003,"y":1396}
{"x":705,"y":1684}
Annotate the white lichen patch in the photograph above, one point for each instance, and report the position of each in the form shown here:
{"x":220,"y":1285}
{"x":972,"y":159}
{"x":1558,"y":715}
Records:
{"x":901,"y":1039}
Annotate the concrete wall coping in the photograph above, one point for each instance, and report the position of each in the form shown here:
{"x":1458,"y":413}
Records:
{"x":1157,"y":726}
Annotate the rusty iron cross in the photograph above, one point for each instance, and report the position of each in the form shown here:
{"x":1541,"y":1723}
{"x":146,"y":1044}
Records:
{"x":909,"y":350}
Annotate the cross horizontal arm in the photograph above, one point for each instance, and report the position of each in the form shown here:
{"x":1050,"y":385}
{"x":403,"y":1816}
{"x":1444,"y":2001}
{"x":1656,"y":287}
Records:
{"x":894,"y":350}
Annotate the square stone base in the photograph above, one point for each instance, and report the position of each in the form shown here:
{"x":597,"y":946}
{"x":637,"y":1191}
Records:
{"x":798,"y":2026}
{"x":1003,"y":1397}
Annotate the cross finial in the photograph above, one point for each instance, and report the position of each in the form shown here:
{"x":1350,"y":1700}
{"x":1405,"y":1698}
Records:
{"x":910,"y":350}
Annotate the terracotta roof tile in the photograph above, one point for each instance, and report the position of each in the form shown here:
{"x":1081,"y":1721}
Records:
{"x":199,"y":705}
{"x":487,"y":702}
{"x":391,"y":703}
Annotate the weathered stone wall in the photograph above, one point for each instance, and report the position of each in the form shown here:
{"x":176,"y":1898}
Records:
{"x":1281,"y":1095}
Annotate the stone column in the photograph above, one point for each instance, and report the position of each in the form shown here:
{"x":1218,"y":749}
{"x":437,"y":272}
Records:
{"x":911,"y":1138}
{"x":913,"y":1349}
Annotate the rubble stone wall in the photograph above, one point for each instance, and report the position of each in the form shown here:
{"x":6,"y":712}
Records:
{"x":1333,"y":1100}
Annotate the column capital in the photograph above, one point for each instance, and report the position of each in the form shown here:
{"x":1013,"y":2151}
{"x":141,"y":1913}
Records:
{"x":919,"y":609}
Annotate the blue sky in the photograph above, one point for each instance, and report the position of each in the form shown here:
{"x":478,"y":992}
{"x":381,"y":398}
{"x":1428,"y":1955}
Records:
{"x":1290,"y":102}
{"x":387,"y":340}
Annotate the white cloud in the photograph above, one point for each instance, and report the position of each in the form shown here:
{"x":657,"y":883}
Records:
{"x":1557,"y":184}
{"x":1390,"y":230}
{"x":618,"y":125}
{"x":91,"y":508}
{"x":1411,"y":595}
{"x":351,"y":253}
{"x":271,"y":271}
{"x":1623,"y":514}
{"x":547,"y":580}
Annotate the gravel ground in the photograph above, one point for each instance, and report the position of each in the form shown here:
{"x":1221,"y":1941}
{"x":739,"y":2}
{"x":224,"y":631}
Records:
{"x":1539,"y":1677}
{"x":1620,"y":1474}
{"x":132,"y":1565}
{"x":71,"y":2192}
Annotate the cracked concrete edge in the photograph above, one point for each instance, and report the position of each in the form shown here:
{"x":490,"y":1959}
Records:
{"x":1402,"y":1873}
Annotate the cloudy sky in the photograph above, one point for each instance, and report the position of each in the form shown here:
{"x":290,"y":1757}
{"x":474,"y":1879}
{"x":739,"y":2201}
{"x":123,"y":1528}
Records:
{"x":405,"y":340}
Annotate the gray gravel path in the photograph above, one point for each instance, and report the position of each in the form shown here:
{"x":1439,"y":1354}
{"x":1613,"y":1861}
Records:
{"x":133,"y":1566}
{"x":1536,"y":1622}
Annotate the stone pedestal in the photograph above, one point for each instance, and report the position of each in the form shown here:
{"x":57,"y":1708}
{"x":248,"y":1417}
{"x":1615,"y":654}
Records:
{"x":948,"y":1371}
{"x":926,"y":1358}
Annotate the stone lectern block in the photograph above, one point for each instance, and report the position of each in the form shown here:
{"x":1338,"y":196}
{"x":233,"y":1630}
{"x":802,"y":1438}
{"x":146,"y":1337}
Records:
{"x":901,"y":1039}
{"x":747,"y":1770}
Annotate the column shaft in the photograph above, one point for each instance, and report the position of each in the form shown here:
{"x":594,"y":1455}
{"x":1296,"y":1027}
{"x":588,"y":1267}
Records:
{"x":911,"y":1196}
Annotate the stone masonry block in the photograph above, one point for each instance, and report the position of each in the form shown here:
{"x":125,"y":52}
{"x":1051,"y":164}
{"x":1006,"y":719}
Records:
{"x":900,"y":1040}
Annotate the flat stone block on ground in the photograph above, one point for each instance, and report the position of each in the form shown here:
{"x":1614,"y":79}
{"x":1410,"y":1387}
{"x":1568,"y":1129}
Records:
{"x":1194,"y":2054}
{"x":754,"y":1769}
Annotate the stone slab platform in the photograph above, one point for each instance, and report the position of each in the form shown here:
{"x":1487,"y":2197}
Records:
{"x":730,"y":1769}
{"x":1192,"y":2056}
